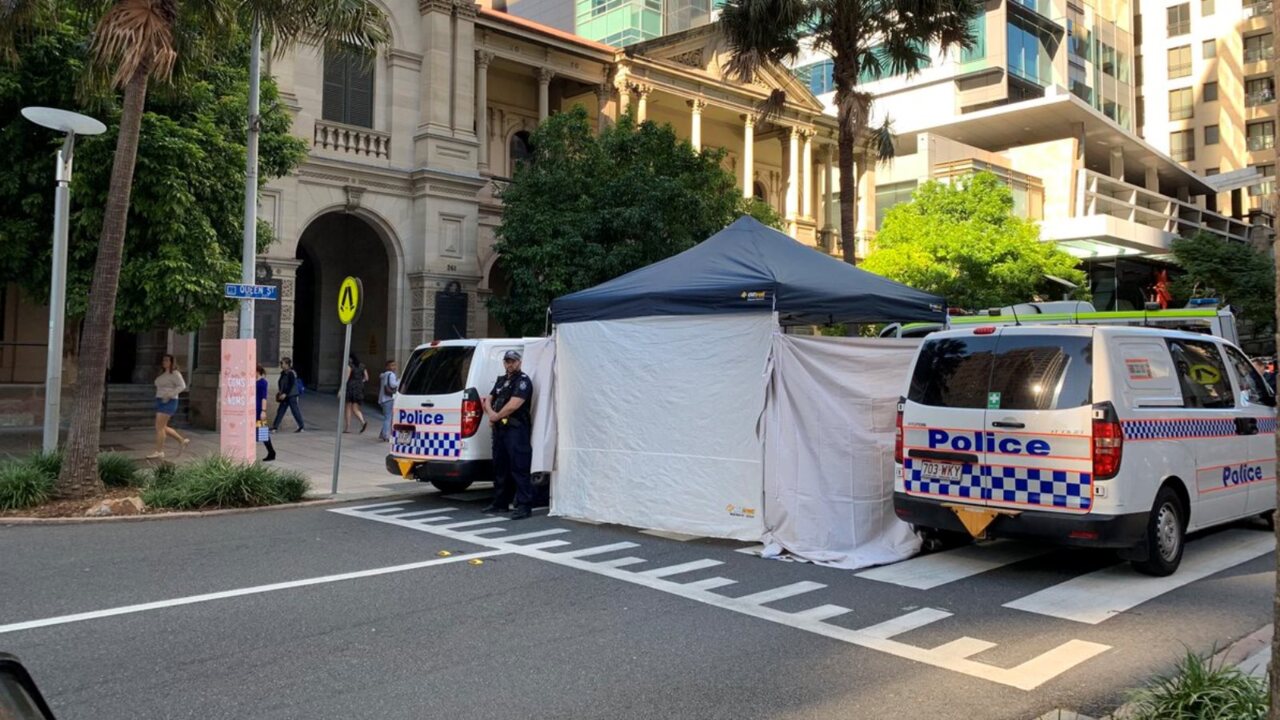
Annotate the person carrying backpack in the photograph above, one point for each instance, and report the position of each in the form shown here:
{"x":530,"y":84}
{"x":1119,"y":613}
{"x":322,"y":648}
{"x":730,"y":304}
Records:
{"x":288,"y":390}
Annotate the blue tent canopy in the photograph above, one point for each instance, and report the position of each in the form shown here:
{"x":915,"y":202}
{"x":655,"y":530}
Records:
{"x":749,"y":266}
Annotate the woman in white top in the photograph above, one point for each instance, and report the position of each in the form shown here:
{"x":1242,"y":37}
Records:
{"x":169,"y":385}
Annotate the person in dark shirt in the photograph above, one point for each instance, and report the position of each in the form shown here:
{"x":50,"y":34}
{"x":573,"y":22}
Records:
{"x":507,"y":407}
{"x":263,"y":387}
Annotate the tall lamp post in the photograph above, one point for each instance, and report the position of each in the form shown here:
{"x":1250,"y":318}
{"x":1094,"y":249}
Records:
{"x":69,"y":124}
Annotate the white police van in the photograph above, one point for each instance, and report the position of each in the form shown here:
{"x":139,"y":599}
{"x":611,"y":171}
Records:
{"x":1111,"y":437}
{"x":438,"y":432}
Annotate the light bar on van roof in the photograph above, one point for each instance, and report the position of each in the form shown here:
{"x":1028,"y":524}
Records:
{"x":1088,"y":316}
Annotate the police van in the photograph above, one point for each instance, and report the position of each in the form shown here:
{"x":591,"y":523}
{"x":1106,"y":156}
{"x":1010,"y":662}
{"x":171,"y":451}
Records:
{"x":438,"y":431}
{"x":1098,"y":436}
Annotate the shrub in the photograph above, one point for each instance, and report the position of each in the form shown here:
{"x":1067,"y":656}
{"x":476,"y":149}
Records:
{"x":117,"y":470}
{"x":219,"y":482}
{"x":1199,"y":690}
{"x":47,"y":464}
{"x":22,"y":485}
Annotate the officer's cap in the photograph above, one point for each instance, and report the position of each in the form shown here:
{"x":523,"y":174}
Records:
{"x":511,"y":355}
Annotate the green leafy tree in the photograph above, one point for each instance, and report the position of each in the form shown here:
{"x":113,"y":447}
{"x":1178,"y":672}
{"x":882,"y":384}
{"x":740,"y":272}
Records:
{"x":962,"y":241}
{"x":136,"y":42}
{"x":1234,"y":273}
{"x":586,"y":208}
{"x":867,"y":40}
{"x":184,"y":233}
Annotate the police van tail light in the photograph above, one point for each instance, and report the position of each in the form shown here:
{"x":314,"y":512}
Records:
{"x":472,"y":413}
{"x":897,"y":435}
{"x":1108,"y":441}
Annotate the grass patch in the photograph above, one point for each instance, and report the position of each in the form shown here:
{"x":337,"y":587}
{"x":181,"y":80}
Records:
{"x":118,"y":470}
{"x":23,"y":485}
{"x":1200,"y":691}
{"x":217,"y":482}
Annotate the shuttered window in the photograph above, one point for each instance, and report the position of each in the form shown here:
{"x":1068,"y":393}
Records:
{"x":348,"y":88}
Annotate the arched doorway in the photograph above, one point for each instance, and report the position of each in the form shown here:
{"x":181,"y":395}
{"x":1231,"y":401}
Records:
{"x":332,"y":247}
{"x":499,"y":287}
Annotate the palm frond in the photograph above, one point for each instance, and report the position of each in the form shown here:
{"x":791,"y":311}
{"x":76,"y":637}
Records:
{"x":880,"y":141}
{"x":19,"y":19}
{"x":763,"y":32}
{"x":358,"y":24}
{"x":137,"y":35}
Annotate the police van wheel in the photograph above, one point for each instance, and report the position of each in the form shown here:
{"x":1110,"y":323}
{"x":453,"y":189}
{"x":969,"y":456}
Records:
{"x":451,"y":486}
{"x":1166,"y":536}
{"x":1269,"y":519}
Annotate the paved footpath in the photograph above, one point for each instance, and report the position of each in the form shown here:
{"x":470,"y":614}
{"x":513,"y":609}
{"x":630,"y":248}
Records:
{"x":363,"y":471}
{"x":423,"y":607}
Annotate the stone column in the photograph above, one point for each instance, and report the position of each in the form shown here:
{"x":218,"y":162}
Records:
{"x":642,"y":103}
{"x":544,"y":93}
{"x":1117,"y":163}
{"x":748,"y":155}
{"x":792,"y":140}
{"x":604,"y":93}
{"x":483,"y":59}
{"x":695,"y":122}
{"x":806,"y":177}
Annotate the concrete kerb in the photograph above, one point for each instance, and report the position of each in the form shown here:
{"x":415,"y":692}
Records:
{"x":186,"y":514}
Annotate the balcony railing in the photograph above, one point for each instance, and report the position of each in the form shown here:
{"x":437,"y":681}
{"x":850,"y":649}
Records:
{"x":1261,"y":97}
{"x":1253,"y":10}
{"x":1259,"y":54}
{"x":1262,"y":189}
{"x":1184,"y":154}
{"x":352,"y":140}
{"x":1261,"y":142}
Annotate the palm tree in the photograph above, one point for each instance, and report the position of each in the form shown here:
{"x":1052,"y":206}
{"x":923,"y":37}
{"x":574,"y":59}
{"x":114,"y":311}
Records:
{"x":867,"y":40}
{"x":137,"y":42}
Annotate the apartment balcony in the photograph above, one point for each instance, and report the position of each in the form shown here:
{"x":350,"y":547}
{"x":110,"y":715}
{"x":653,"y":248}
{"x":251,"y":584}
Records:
{"x":1257,"y":10}
{"x":1113,"y":218}
{"x":1260,"y":98}
{"x":350,"y":140}
{"x":1258,"y":143}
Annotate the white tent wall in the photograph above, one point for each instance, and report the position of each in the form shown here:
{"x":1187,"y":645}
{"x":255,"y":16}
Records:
{"x":829,"y":432}
{"x":539,"y":364}
{"x":658,"y":422}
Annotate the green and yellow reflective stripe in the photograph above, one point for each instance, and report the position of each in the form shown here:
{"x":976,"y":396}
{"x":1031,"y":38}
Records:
{"x":1085,"y":316}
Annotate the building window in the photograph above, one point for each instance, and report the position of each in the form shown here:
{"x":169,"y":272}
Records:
{"x":1258,"y":48}
{"x":1179,"y":62}
{"x":1210,"y":134}
{"x":1259,"y":91}
{"x":1179,"y":20}
{"x":348,"y":88}
{"x":1268,"y":184}
{"x":1206,"y":8}
{"x":978,"y":32}
{"x":1211,"y":92}
{"x":1182,"y":145}
{"x":889,"y":195}
{"x":819,"y":76}
{"x":1254,"y":8}
{"x":1181,"y":104}
{"x":1209,"y":50}
{"x":520,"y":150}
{"x":1028,"y":53}
{"x":1261,"y":135}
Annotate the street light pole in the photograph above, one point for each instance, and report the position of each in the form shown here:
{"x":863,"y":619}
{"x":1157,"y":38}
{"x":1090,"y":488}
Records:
{"x":69,"y":124}
{"x":248,"y":269}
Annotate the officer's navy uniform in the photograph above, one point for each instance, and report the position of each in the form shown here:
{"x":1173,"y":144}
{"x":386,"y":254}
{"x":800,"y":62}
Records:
{"x":512,"y":451}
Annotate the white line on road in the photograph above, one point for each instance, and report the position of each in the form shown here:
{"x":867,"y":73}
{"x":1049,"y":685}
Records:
{"x":621,"y":562}
{"x":545,"y":545}
{"x":668,"y":535}
{"x":710,"y":583}
{"x":929,"y":571}
{"x":1106,"y":593}
{"x":487,"y":531}
{"x":779,"y":593}
{"x":905,"y":623}
{"x":471,"y":523}
{"x":362,"y":508}
{"x":406,"y":516}
{"x":529,"y":536}
{"x":240,"y":592}
{"x":823,"y":612}
{"x":681,"y":568}
{"x":599,"y":550}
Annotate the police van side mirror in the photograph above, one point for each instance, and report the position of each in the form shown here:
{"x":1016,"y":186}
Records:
{"x":19,"y":697}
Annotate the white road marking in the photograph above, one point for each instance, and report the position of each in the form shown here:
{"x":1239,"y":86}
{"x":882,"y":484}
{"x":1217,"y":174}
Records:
{"x":710,"y":583}
{"x":432,"y":519}
{"x":681,"y":568}
{"x":487,"y":531}
{"x":1103,"y":594}
{"x":599,"y":550}
{"x":1027,"y":676}
{"x":545,"y":545}
{"x":240,"y":592}
{"x":471,"y":523}
{"x":437,"y":511}
{"x":529,"y":536}
{"x":621,"y":562}
{"x":905,"y":623}
{"x":667,"y":534}
{"x":964,"y":647}
{"x":363,"y":508}
{"x":751,"y":550}
{"x":823,"y":612}
{"x":779,"y":593}
{"x":929,"y":571}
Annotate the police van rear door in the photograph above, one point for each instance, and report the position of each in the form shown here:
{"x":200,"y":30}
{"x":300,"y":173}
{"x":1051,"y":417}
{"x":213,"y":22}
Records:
{"x":1038,"y":432}
{"x":428,"y":408}
{"x":944,"y":416}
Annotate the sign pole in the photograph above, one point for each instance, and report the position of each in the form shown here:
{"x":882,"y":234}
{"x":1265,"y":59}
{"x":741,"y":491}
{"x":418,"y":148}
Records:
{"x":350,"y":298}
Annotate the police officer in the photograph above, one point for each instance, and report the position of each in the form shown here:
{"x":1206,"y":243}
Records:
{"x":507,"y":408}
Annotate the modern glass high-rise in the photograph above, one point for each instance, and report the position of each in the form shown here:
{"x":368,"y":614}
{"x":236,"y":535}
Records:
{"x":625,"y":22}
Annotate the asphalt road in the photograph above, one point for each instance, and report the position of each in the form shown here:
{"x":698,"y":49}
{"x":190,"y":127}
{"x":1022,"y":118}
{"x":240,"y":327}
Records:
{"x":570,"y":629}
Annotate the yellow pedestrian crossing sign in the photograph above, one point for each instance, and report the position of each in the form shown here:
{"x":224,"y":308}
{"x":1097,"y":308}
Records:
{"x":349,"y":300}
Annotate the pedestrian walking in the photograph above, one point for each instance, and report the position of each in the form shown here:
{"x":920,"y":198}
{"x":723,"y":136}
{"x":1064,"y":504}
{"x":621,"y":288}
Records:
{"x":357,"y":376}
{"x":507,"y":407}
{"x":287,"y":391}
{"x":388,"y":384}
{"x":263,"y":387}
{"x":169,"y":385}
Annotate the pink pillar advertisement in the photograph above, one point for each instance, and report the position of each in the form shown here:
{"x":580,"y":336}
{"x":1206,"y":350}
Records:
{"x":237,"y":399}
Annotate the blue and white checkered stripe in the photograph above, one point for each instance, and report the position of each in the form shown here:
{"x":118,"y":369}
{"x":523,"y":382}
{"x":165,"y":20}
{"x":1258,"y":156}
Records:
{"x":430,"y":444}
{"x":1065,"y":489}
{"x":1181,"y":428}
{"x":1267,"y":425}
